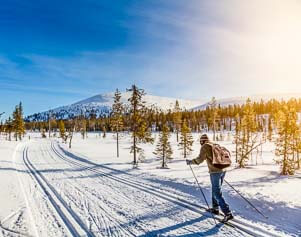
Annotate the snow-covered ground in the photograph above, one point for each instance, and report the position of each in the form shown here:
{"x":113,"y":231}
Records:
{"x":51,"y":190}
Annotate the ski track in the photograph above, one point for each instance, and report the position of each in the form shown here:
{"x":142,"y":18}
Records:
{"x":119,"y":202}
{"x":130,"y":183}
{"x":64,"y":215}
{"x":83,"y":204}
{"x":86,"y":199}
{"x":137,"y":207}
{"x":242,"y":225}
{"x":14,"y":224}
{"x":119,"y":199}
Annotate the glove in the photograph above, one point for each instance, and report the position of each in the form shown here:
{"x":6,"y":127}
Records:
{"x":189,"y":162}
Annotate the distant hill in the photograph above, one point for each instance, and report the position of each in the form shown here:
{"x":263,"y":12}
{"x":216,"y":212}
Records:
{"x":254,"y":98}
{"x":101,"y":105}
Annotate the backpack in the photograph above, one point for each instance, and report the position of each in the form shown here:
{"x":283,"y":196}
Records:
{"x":221,"y":156}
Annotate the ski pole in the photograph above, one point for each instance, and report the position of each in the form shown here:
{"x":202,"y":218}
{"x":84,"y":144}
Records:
{"x":202,"y":193}
{"x":246,"y":199}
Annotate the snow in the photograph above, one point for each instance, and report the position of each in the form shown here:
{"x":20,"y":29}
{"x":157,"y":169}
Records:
{"x":99,"y":194}
{"x":102,"y":104}
{"x":254,"y":98}
{"x":12,"y":212}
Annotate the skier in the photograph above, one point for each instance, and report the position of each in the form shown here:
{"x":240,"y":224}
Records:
{"x":217,"y":176}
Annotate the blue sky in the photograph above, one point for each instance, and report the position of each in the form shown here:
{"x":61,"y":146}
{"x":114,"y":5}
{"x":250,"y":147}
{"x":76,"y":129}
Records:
{"x":57,"y":52}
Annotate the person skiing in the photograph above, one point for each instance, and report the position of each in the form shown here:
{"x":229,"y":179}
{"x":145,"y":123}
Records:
{"x":217,"y":176}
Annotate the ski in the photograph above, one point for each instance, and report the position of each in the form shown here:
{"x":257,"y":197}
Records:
{"x":228,"y":224}
{"x":205,"y":209}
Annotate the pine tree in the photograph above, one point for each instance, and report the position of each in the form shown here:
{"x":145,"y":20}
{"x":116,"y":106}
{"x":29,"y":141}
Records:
{"x":213,"y":115}
{"x":73,"y":127}
{"x":177,"y":118}
{"x":237,"y":137}
{"x":1,"y":127}
{"x":117,"y":117}
{"x":43,"y":133}
{"x":286,"y":129}
{"x":186,"y":139}
{"x":270,"y":129}
{"x":297,"y":146}
{"x":21,"y":130}
{"x":9,"y":127}
{"x":21,"y":125}
{"x":18,"y":122}
{"x":104,"y":131}
{"x":298,"y":150}
{"x":83,"y":128}
{"x":138,"y":126}
{"x":163,"y":149}
{"x":62,"y":130}
{"x":15,"y":122}
{"x":247,"y":140}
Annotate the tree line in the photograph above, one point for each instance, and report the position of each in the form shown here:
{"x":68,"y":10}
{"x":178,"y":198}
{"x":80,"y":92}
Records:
{"x":14,"y":126}
{"x":249,"y":126}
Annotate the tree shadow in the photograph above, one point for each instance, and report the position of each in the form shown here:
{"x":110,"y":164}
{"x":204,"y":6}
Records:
{"x":271,"y":208}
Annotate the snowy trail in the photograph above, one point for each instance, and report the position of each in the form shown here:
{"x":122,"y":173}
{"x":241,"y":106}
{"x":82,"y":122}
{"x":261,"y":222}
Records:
{"x":102,"y":219}
{"x":177,"y":199}
{"x":94,"y":204}
{"x":67,"y":215}
{"x":70,"y":195}
{"x":134,"y":185}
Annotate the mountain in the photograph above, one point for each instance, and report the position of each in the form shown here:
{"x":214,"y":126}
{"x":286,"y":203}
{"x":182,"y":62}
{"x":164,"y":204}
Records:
{"x":254,"y":98}
{"x":101,"y":105}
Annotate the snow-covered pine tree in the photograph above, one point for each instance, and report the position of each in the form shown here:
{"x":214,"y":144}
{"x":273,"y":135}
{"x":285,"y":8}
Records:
{"x":186,"y":140}
{"x":117,"y":117}
{"x":163,"y":148}
{"x":137,"y":123}
{"x":177,"y":118}
{"x":286,"y":120}
{"x":62,"y":129}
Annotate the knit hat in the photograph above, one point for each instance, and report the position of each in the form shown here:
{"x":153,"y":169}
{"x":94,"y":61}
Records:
{"x":204,"y":138}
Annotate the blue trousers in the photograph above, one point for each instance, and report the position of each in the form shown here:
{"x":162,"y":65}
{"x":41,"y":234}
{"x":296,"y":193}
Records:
{"x":217,"y":195}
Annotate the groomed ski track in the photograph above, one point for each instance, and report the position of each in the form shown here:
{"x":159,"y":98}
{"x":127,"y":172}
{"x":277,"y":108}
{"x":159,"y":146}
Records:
{"x":89,"y":199}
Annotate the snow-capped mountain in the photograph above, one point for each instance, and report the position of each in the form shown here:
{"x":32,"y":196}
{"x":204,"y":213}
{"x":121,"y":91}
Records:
{"x":102,"y":104}
{"x":254,"y":98}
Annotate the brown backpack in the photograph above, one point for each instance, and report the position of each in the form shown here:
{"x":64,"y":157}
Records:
{"x":221,"y":156}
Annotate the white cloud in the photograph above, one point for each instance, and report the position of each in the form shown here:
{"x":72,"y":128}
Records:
{"x":202,"y":49}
